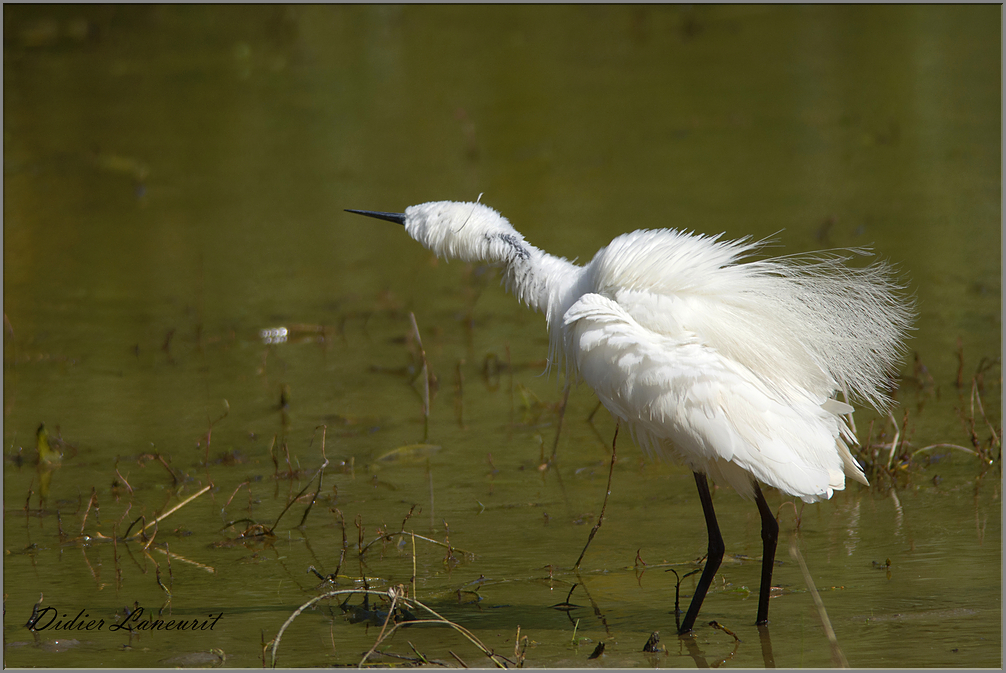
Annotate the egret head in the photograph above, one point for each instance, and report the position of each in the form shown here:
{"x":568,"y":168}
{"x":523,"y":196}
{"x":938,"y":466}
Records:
{"x":469,"y":232}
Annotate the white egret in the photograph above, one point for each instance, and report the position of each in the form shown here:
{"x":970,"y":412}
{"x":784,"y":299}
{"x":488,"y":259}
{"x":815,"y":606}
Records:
{"x":725,"y":363}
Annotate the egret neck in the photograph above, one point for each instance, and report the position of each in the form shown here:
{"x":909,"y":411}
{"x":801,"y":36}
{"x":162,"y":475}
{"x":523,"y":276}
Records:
{"x":544,"y":282}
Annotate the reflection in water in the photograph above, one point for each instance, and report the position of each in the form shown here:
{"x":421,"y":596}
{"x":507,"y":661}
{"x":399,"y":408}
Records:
{"x":766,"y":646}
{"x":852,"y":529}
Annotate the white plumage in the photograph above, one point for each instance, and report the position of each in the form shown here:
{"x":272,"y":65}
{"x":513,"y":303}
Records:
{"x":728,"y":364}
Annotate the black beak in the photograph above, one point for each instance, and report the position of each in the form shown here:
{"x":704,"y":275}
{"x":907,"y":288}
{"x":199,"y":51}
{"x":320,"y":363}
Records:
{"x":397,"y":218}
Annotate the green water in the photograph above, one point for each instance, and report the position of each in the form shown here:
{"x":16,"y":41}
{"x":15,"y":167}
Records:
{"x":174,"y":183}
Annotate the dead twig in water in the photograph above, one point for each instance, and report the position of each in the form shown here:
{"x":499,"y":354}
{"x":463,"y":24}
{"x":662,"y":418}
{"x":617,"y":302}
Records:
{"x":944,"y":446}
{"x":394,"y":593}
{"x":396,"y":596}
{"x":604,"y":505}
{"x":837,"y":656}
{"x":321,"y":473}
{"x":92,"y":502}
{"x":677,"y":594}
{"x":520,"y":648}
{"x":177,"y":507}
{"x":425,"y":374}
{"x":209,"y":431}
{"x":227,"y":504}
{"x":976,"y":395}
{"x":121,"y":478}
{"x":414,"y":565}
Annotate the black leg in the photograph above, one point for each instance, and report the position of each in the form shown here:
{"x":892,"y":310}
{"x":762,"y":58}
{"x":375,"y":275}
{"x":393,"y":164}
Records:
{"x":714,"y":554}
{"x":769,"y":538}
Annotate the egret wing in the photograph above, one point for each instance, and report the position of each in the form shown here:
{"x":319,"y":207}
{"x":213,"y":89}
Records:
{"x":680,"y":397}
{"x":809,"y":321}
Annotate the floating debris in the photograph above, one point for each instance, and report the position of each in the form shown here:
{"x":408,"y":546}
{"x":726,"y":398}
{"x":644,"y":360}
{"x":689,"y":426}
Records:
{"x":410,"y":453}
{"x":273,"y":335}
